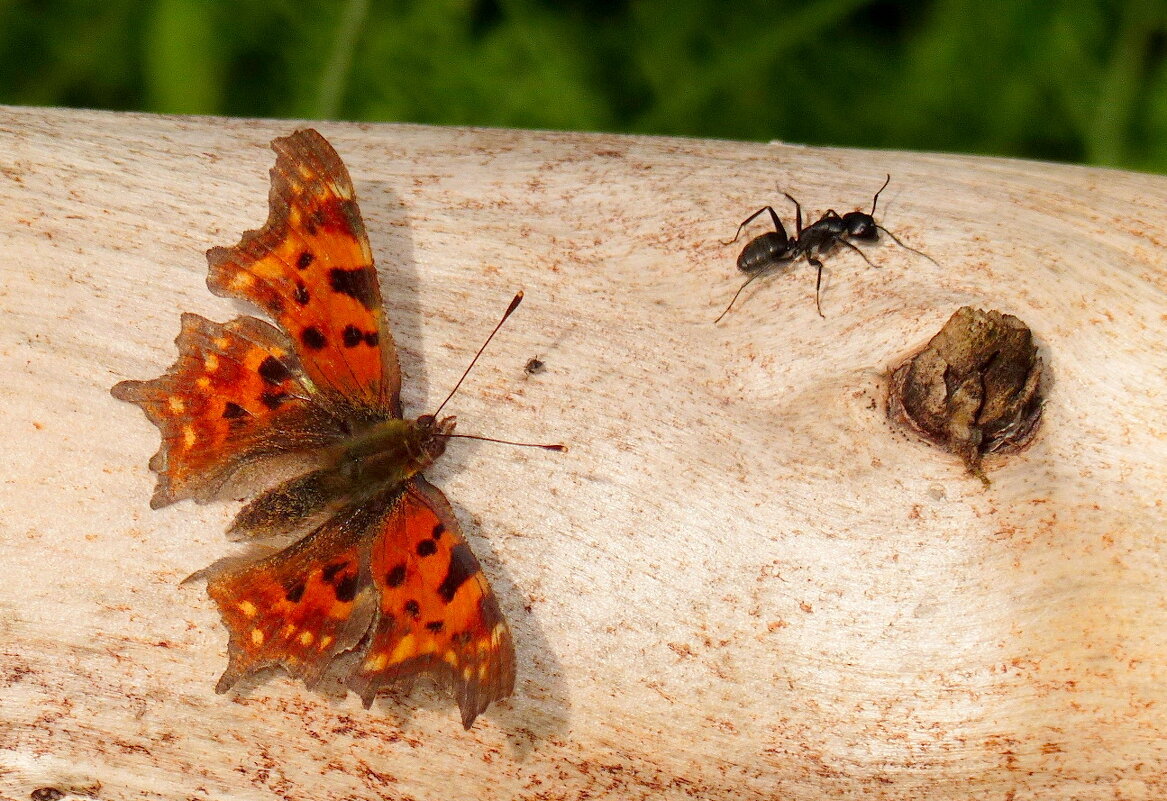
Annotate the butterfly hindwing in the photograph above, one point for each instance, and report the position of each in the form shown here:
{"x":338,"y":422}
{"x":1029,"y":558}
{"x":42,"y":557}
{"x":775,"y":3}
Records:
{"x":311,"y":269}
{"x":234,"y":395}
{"x":437,"y":612}
{"x":297,"y":608}
{"x":392,"y":579}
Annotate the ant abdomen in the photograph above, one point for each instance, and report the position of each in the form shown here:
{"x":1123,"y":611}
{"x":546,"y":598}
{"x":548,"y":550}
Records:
{"x":763,"y":252}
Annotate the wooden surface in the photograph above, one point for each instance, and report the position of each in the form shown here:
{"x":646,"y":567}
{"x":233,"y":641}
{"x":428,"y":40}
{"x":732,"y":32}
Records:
{"x":740,"y":583}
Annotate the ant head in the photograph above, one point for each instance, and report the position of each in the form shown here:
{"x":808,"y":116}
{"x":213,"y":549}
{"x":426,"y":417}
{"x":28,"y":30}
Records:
{"x":860,"y":225}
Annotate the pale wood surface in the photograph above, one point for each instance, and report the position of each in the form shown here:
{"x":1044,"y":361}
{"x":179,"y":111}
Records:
{"x":740,"y":583}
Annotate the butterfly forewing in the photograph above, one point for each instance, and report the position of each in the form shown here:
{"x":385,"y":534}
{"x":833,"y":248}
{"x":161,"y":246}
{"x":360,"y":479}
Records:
{"x":311,"y":269}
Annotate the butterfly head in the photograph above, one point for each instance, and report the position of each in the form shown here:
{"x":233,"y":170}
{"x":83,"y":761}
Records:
{"x":432,"y":436}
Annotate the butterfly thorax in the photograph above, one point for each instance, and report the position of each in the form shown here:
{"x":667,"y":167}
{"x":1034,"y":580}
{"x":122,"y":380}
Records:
{"x":393,"y":451}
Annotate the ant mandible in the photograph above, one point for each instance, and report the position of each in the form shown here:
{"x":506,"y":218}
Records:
{"x":764,"y":254}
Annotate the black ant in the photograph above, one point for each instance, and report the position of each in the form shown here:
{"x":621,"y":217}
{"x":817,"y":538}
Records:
{"x":773,"y":249}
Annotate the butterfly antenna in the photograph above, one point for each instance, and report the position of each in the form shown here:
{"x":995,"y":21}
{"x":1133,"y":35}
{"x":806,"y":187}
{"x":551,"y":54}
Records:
{"x":875,"y":199}
{"x":510,"y":310}
{"x":735,"y":297}
{"x":560,"y":448}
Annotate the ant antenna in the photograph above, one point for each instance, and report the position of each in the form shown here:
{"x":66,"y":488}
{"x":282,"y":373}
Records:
{"x":875,"y":199}
{"x":510,"y":310}
{"x":749,"y":281}
{"x":895,"y":238}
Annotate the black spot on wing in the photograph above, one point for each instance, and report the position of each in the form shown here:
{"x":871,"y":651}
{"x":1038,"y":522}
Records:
{"x":413,"y":609}
{"x":273,"y":371}
{"x":463,"y":565}
{"x":301,"y":295}
{"x":305,"y":260}
{"x":346,"y":588}
{"x":313,"y":338}
{"x":233,"y":411}
{"x":352,"y":336}
{"x":295,"y":592}
{"x":396,"y":576}
{"x":359,"y":283}
{"x":427,"y":548}
{"x":435,"y":626}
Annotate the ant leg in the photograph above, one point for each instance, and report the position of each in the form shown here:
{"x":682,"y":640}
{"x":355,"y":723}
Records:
{"x":773,"y":216}
{"x":840,"y":240}
{"x":818,"y":283}
{"x":797,"y":215}
{"x":896,"y":239}
{"x":735,"y":296}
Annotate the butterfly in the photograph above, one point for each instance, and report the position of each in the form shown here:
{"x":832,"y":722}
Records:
{"x":381,"y":573}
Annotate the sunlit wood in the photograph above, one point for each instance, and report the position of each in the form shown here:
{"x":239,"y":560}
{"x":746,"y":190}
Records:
{"x":741,"y":582}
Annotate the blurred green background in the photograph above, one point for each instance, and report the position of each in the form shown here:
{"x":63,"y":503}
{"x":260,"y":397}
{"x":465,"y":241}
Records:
{"x":1069,"y":80}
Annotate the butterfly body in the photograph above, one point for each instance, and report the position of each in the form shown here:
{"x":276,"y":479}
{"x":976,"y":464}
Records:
{"x":381,"y":573}
{"x":394,"y":451}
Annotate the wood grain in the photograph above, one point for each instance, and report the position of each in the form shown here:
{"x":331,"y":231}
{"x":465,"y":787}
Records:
{"x":741,"y":582}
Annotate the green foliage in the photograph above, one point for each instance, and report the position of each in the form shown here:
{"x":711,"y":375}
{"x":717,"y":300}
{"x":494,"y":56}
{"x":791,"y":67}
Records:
{"x":1075,"y":80}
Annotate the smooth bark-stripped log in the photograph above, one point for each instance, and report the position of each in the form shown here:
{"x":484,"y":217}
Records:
{"x":742,"y":582}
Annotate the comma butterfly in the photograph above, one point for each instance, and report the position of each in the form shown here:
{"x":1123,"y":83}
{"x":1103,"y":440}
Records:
{"x":382,"y":570}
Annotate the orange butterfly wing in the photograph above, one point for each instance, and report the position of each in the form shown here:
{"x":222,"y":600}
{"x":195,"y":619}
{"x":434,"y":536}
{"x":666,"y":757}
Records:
{"x":297,"y":608}
{"x":437,"y":612}
{"x":234,"y":395}
{"x":392,"y":579}
{"x":311,"y":269}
